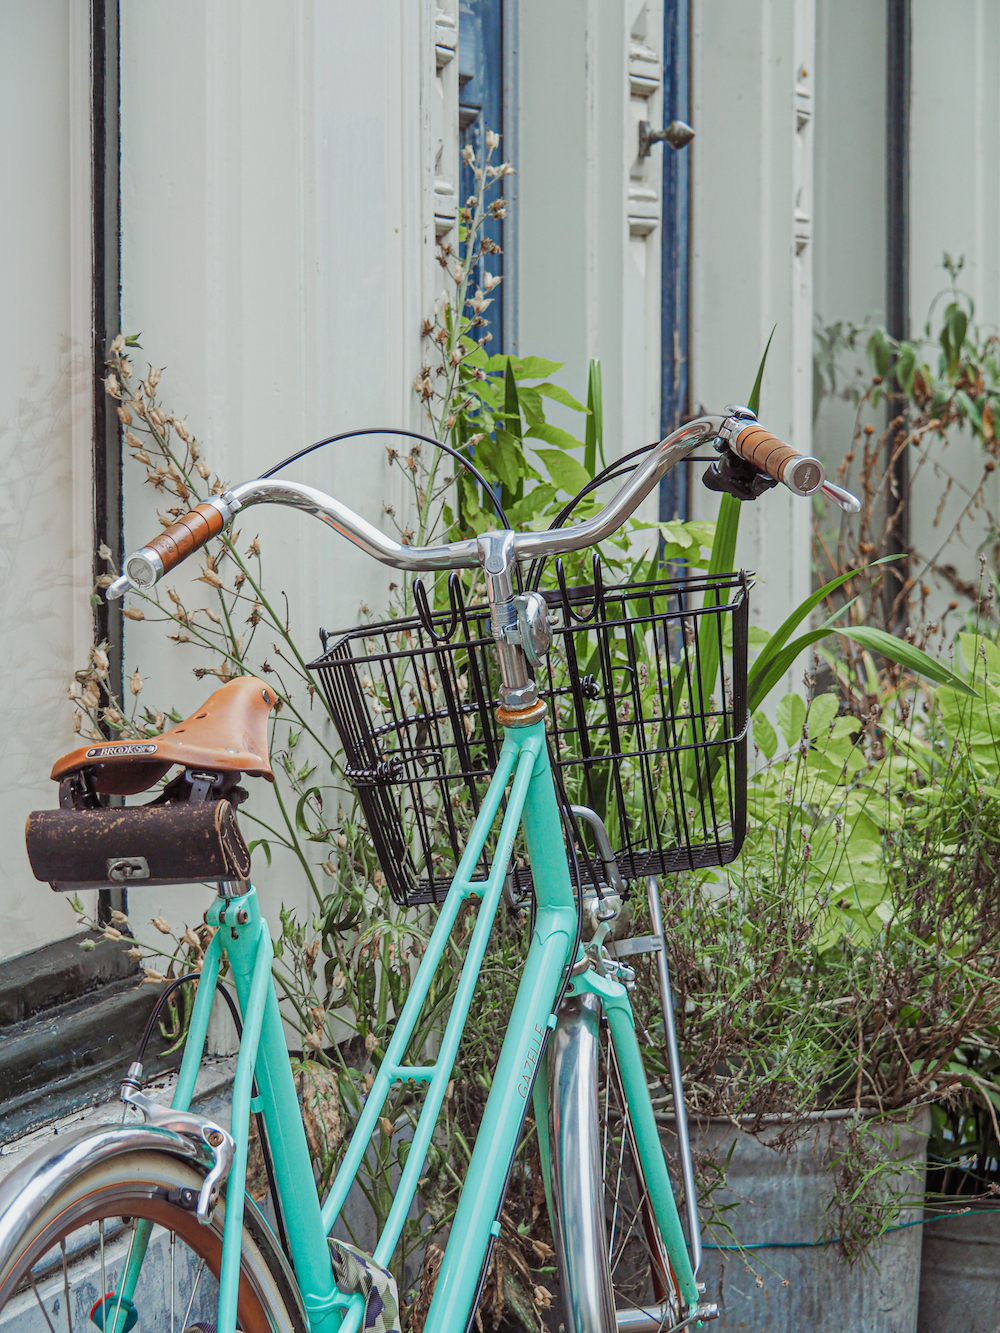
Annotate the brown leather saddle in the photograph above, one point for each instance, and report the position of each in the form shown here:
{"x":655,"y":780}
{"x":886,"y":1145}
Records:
{"x":188,"y":832}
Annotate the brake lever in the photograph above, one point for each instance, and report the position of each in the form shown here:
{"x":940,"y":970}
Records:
{"x":734,"y":476}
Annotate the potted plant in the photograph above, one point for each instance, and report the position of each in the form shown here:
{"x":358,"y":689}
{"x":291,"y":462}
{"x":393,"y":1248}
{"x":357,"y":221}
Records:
{"x":836,"y":983}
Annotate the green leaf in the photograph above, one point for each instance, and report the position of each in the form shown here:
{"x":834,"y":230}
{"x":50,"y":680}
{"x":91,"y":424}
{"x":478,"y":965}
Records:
{"x":261,"y":842}
{"x":782,"y":633}
{"x":898,"y":650}
{"x":791,"y":716}
{"x":559,"y":395}
{"x":511,"y":407}
{"x":534,"y":367}
{"x":723,"y":554}
{"x":505,"y":459}
{"x":673,"y":532}
{"x":533,"y":503}
{"x":702,"y":530}
{"x":531,"y":405}
{"x":969,"y":408}
{"x":568,"y":474}
{"x":763,"y":680}
{"x":822,"y":711}
{"x":764,"y":735}
{"x":728,"y":523}
{"x":680,"y":533}
{"x":880,"y":352}
{"x":724,"y":542}
{"x":754,"y":403}
{"x":595,"y":421}
{"x":562,"y":439}
{"x":906,"y":364}
{"x":977,"y":648}
{"x":957,"y":323}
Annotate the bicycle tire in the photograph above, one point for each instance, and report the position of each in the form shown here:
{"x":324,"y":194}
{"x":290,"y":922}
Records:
{"x":614,"y":1272}
{"x":56,"y":1273}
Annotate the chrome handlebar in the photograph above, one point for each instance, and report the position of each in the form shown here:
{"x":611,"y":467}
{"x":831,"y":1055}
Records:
{"x":143,"y":568}
{"x":142,"y":573}
{"x":465,"y":554}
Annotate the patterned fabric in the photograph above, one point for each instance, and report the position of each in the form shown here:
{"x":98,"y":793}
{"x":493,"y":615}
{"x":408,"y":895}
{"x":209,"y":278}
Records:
{"x":356,"y":1271}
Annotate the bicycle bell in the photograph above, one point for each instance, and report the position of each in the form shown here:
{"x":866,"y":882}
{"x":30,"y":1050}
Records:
{"x":533,"y":628}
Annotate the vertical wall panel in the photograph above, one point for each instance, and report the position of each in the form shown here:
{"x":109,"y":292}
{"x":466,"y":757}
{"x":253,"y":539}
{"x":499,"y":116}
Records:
{"x":278,"y":235}
{"x":849,"y":228}
{"x":751,"y":197}
{"x":954,"y":206}
{"x":589,"y":207}
{"x":46,"y":534}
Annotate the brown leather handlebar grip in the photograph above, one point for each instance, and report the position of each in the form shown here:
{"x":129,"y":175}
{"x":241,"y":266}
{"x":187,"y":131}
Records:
{"x":190,"y":533}
{"x":767,"y":453}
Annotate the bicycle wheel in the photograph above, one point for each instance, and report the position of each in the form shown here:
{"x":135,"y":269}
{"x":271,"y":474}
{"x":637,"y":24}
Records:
{"x":79,"y":1243}
{"x":613,"y":1267}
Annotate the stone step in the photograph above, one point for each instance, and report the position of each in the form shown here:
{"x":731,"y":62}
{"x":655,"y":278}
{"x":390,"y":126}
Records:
{"x":70,"y":1023}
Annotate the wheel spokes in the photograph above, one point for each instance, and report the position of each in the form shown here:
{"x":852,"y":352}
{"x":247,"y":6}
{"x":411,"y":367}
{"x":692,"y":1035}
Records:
{"x":104,"y":1280}
{"x":41,"y":1303}
{"x":635,"y":1250}
{"x":194,"y":1289}
{"x":121,"y":1282}
{"x":69,"y":1312}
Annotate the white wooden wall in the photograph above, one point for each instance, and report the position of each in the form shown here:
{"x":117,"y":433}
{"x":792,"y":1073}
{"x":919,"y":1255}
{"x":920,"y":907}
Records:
{"x":281,"y":278}
{"x":954,"y":206}
{"x":752,"y":211}
{"x":45,"y":427}
{"x":589,"y":207}
{"x":285,"y":169}
{"x":849,"y":255}
{"x":283,"y":274}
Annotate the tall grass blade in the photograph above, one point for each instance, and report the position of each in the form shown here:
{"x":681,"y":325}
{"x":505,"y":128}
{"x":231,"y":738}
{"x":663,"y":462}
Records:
{"x":721,"y":561}
{"x":781,"y":636}
{"x":875,"y":640}
{"x":594,"y":443}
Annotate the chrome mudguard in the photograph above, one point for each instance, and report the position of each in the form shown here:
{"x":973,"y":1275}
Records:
{"x":33,"y":1185}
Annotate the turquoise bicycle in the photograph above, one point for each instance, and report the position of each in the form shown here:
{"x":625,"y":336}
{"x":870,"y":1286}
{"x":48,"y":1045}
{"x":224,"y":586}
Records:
{"x":478,"y":766}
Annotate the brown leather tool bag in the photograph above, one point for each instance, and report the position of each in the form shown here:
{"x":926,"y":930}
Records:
{"x":176,"y":843}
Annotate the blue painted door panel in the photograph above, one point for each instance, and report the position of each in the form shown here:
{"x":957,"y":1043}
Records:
{"x":481,"y":108}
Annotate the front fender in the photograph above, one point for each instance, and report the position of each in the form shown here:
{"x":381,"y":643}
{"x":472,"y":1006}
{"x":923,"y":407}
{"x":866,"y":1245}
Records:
{"x":32,"y":1185}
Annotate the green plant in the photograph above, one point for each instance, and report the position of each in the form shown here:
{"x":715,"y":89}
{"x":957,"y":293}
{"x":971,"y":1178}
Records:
{"x":492,"y":407}
{"x":941,"y":389}
{"x":847,"y":960}
{"x":778,"y":651}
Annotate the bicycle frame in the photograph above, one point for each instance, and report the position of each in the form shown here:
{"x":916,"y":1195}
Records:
{"x":242,"y":931}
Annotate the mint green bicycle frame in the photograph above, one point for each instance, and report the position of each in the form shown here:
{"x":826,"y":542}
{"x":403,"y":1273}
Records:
{"x":531,"y":802}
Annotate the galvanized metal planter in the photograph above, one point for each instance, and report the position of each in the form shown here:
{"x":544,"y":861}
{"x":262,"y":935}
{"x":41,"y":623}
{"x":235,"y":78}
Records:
{"x":960,"y":1273}
{"x":786,"y":1282}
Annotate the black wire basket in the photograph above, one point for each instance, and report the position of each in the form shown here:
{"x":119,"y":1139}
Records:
{"x":647,"y":693}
